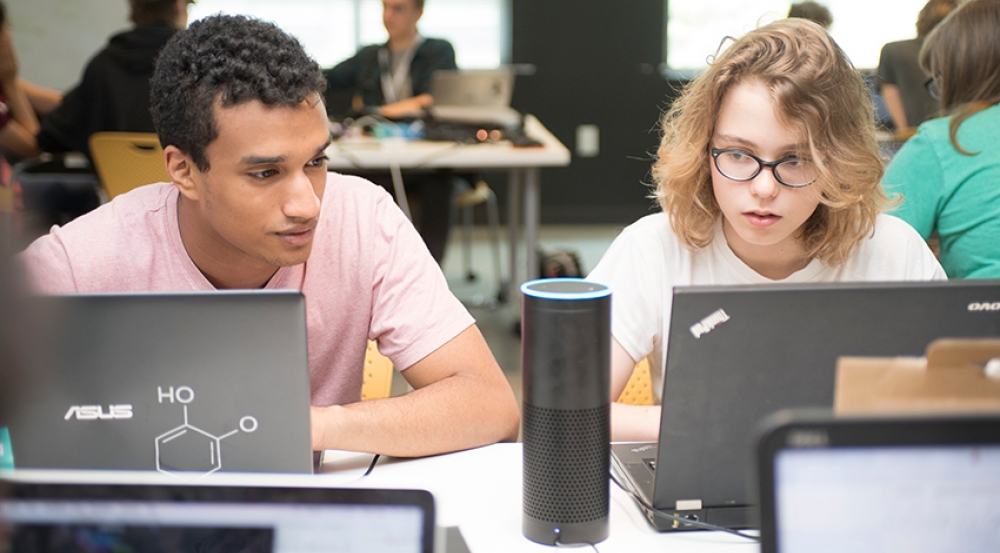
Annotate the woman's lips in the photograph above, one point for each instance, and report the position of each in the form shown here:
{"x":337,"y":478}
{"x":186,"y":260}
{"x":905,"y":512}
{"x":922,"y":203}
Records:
{"x":761,"y":219}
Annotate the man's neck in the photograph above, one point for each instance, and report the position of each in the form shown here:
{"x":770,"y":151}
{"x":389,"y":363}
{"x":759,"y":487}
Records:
{"x":403,"y":42}
{"x":225,"y":268}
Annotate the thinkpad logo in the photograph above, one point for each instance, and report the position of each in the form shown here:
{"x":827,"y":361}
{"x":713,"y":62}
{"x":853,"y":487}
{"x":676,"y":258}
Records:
{"x":709,"y":323}
{"x":97,"y":412}
{"x":984,"y":306}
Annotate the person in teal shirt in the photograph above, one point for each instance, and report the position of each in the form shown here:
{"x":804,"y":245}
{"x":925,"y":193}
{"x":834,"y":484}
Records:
{"x":949,"y":173}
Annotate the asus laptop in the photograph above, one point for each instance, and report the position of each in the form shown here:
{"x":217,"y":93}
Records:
{"x":737,"y":354}
{"x":929,"y":485}
{"x":211,"y":518}
{"x":186,"y":384}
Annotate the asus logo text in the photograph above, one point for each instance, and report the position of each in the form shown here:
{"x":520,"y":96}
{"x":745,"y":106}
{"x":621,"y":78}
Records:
{"x":984,"y":306}
{"x":96,"y":412}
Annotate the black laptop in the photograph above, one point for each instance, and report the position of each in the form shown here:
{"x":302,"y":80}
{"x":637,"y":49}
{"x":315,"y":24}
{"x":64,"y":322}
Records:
{"x":737,"y":354}
{"x":920,"y":484}
{"x":186,"y":384}
{"x":210,"y":518}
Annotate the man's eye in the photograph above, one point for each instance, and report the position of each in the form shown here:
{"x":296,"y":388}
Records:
{"x":319,"y":162}
{"x":261,"y":175}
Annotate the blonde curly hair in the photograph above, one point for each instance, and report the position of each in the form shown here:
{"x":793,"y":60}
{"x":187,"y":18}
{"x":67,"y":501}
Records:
{"x":817,"y":91}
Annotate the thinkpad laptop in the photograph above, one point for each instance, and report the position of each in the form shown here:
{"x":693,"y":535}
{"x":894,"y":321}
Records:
{"x":879,"y":484}
{"x":737,"y":354}
{"x":185,"y":384}
{"x":210,"y":518}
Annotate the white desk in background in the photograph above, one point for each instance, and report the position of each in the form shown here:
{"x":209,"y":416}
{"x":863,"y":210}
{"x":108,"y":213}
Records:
{"x":523,"y":166}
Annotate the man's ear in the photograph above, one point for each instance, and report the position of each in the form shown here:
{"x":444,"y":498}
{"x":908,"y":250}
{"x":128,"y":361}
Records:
{"x":181,"y":169}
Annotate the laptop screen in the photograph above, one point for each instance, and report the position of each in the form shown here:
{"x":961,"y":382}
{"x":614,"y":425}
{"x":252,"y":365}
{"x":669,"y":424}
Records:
{"x":182,"y":383}
{"x":918,"y":484}
{"x":739,"y":353}
{"x":928,"y":498}
{"x":171,"y":519}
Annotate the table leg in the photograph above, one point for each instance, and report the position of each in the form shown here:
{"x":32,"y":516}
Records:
{"x":515,"y":183}
{"x":532,"y":213}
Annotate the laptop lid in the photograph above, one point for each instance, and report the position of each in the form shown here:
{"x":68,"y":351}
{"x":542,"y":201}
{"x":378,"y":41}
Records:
{"x":186,"y":384}
{"x":737,"y":354}
{"x":472,"y":88}
{"x":161,"y":517}
{"x":870,"y":484}
{"x":479,"y":96}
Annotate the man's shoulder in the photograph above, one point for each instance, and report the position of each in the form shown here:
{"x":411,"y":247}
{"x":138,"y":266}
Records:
{"x":104,"y":245}
{"x":353,"y":206}
{"x":349,"y":192}
{"x":129,"y":216}
{"x":437,"y":43}
{"x":369,"y":52}
{"x":435,"y":47}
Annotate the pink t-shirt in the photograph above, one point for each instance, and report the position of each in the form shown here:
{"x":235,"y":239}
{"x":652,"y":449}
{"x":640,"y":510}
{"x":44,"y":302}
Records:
{"x":369,"y":275}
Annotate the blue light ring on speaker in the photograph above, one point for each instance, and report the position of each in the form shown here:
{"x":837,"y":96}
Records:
{"x":548,"y":289}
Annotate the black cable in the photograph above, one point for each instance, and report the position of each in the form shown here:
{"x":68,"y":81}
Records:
{"x":697,"y":523}
{"x":371,"y":466}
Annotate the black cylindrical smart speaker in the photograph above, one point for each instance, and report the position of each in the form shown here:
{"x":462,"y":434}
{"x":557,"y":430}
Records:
{"x":566,"y":423}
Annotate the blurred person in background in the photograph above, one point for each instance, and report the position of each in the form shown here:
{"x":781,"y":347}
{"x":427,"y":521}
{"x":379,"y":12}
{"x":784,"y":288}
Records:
{"x":900,"y":77}
{"x":949,"y":172}
{"x":393,"y":80}
{"x":20,"y":101}
{"x":113,"y":93}
{"x":813,"y":11}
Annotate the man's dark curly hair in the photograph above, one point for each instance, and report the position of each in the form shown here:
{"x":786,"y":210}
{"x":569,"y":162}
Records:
{"x":234,"y":59}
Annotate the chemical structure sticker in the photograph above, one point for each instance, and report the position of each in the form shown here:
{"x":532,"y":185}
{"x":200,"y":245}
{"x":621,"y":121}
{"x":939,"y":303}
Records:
{"x":188,"y":449}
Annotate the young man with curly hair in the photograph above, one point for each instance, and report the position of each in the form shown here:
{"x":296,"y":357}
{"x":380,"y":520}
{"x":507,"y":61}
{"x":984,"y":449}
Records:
{"x":238,"y":109}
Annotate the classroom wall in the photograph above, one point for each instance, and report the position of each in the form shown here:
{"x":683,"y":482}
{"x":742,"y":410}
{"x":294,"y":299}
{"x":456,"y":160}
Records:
{"x":597,"y":64}
{"x":55,"y":38}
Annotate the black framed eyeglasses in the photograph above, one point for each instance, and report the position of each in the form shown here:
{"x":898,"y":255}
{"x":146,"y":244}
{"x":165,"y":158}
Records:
{"x":931,"y":86}
{"x":742,"y":166}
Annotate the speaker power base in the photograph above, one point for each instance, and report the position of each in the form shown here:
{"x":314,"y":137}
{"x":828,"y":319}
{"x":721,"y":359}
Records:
{"x":553,"y":533}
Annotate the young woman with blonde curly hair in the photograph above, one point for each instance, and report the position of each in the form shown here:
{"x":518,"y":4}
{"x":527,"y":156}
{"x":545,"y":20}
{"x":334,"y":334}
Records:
{"x":768,"y":171}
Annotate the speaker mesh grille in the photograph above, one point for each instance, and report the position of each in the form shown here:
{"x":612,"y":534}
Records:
{"x":566,"y":463}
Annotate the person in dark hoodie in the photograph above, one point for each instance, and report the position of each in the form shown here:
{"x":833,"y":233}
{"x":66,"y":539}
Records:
{"x":114,"y":92}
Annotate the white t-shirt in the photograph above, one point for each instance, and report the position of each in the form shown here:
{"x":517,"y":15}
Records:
{"x":647,"y":260}
{"x":369,"y":275}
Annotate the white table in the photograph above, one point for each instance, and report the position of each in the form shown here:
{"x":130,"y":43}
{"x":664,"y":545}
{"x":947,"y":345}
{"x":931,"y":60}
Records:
{"x":523,"y":166}
{"x":480,"y":492}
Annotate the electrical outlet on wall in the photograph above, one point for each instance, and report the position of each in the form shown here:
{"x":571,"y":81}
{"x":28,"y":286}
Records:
{"x":588,"y":140}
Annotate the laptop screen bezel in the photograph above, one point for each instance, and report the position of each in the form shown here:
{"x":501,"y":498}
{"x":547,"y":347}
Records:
{"x":819,"y":429}
{"x":279,"y":495}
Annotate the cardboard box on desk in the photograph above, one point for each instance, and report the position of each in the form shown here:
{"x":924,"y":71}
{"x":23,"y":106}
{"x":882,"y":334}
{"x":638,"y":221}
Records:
{"x":955,"y":376}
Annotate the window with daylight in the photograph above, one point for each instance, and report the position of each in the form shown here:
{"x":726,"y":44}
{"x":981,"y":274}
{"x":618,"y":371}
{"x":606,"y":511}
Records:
{"x":696,"y":29}
{"x":332,"y":30}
